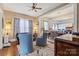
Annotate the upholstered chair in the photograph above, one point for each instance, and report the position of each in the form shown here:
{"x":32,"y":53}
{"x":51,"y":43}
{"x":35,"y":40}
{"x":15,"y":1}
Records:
{"x":42,"y":41}
{"x":25,"y":43}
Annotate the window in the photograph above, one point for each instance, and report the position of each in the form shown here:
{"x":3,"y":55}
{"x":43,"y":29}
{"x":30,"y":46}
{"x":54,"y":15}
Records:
{"x":45,"y":25}
{"x":54,"y":26}
{"x":24,"y":25}
{"x":61,"y":26}
{"x":21,"y":25}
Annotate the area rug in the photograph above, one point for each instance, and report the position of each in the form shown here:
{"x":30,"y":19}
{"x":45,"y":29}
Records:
{"x":47,"y":50}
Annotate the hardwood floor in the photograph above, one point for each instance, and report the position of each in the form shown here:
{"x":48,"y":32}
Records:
{"x":13,"y":51}
{"x":9,"y":51}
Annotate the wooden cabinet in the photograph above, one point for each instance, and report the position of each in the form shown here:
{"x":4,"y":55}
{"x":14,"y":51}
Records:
{"x":66,"y":48}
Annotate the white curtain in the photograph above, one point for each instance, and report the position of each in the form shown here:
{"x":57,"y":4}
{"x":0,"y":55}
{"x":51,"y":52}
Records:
{"x":24,"y":25}
{"x":45,"y":25}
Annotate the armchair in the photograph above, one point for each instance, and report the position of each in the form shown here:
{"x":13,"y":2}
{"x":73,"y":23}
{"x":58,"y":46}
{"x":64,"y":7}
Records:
{"x":25,"y":43}
{"x":42,"y":41}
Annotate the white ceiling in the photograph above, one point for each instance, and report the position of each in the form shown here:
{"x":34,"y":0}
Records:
{"x":24,"y":8}
{"x":65,"y":12}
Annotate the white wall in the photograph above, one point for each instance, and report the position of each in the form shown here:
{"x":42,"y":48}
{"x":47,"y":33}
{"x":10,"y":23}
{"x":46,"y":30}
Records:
{"x":0,"y":31}
{"x":1,"y":14}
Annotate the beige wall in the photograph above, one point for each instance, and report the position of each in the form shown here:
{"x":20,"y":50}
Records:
{"x":1,"y":15}
{"x":35,"y":25}
{"x":8,"y":15}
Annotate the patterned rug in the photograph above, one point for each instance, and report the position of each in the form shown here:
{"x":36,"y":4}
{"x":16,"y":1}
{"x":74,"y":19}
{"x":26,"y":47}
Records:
{"x":43,"y":51}
{"x":48,"y":50}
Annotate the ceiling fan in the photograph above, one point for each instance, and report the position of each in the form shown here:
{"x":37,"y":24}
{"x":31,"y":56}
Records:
{"x":34,"y":7}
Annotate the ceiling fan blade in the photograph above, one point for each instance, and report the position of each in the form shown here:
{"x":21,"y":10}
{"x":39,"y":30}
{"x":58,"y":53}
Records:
{"x":34,"y":4}
{"x":38,"y":8}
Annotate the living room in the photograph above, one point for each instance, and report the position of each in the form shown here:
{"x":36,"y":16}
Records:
{"x":32,"y":29}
